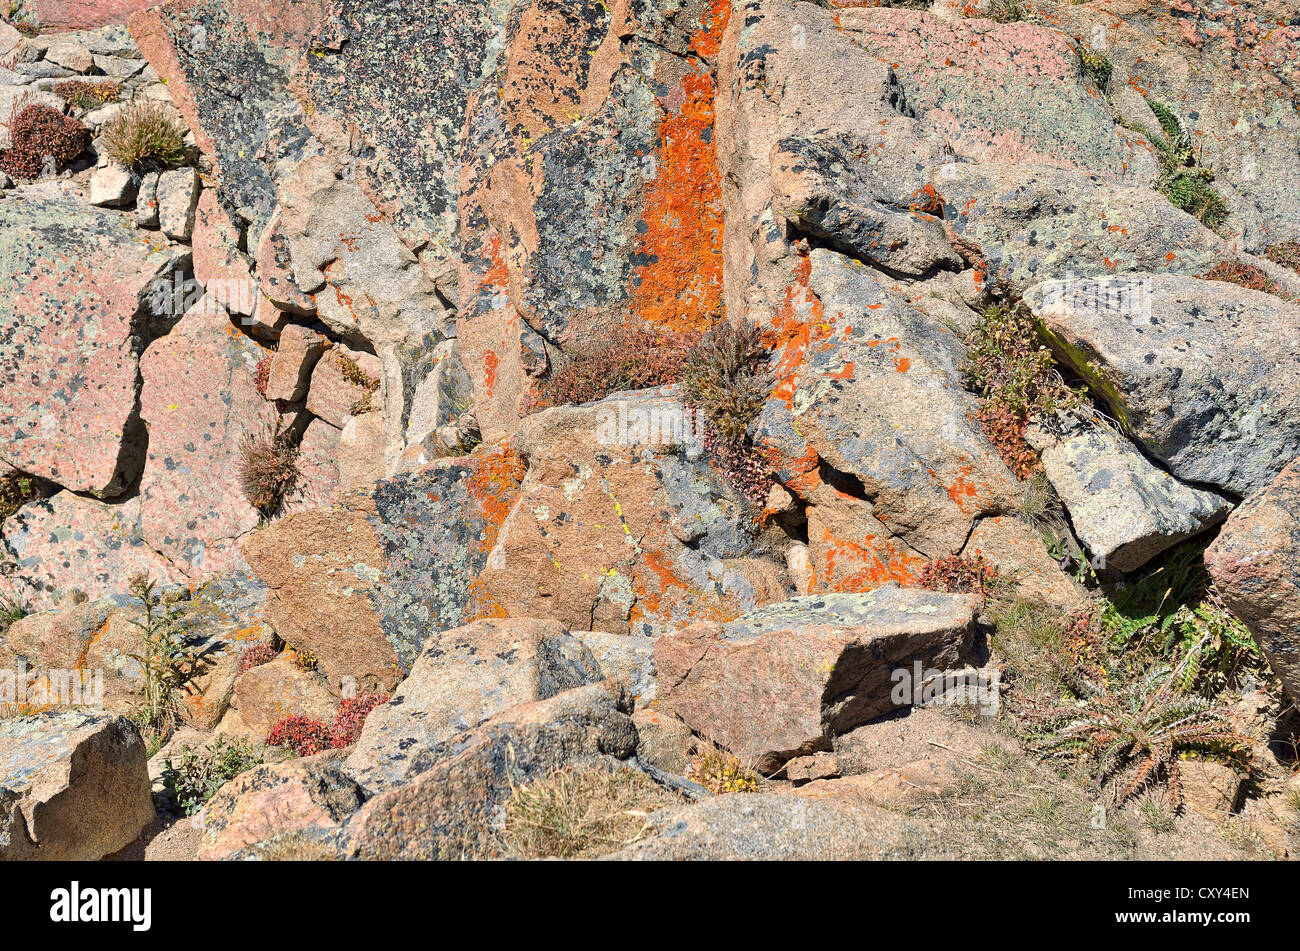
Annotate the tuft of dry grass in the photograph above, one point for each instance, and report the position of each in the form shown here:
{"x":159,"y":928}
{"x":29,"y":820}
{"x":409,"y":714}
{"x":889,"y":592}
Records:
{"x":631,"y":359}
{"x":719,"y":772}
{"x":268,"y":471}
{"x":87,"y":94}
{"x":582,"y":813}
{"x":145,"y":137}
{"x":297,"y":847}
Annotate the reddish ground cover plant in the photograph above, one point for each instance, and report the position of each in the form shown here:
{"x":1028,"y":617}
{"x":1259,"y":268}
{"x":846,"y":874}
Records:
{"x":1243,"y":275}
{"x":632,"y":359}
{"x":306,"y":736}
{"x":959,"y":574}
{"x":256,"y":655}
{"x":41,"y":140}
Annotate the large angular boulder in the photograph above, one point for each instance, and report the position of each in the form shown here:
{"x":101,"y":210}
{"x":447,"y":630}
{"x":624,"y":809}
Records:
{"x":363,"y":584}
{"x":451,"y":809}
{"x":1124,"y":509}
{"x":1167,"y":354}
{"x":782,"y":681}
{"x":266,"y":694}
{"x":870,"y":424}
{"x":75,"y":285}
{"x":463,"y":677}
{"x":620,"y":523}
{"x":201,"y":402}
{"x":73,"y":786}
{"x":1255,"y":562}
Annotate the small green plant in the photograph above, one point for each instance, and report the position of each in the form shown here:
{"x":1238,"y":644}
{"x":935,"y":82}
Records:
{"x":1008,"y":11}
{"x":144,"y":137}
{"x":1136,"y":735}
{"x":1157,"y":811}
{"x":199,"y":775}
{"x":1014,"y":373}
{"x":632,"y":359}
{"x":268,"y":470}
{"x":1096,"y":67}
{"x":87,"y":94}
{"x":359,"y":378}
{"x":1182,"y":179}
{"x":167,"y":659}
{"x":582,"y":813}
{"x":10,"y":610}
{"x":16,"y":490}
{"x":42,"y":140}
{"x":719,"y":772}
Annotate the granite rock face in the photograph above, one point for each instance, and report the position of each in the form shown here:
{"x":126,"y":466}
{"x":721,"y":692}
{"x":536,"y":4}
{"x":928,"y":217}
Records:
{"x":1204,"y":374}
{"x":782,"y":681}
{"x":75,"y":286}
{"x":1256,"y":563}
{"x":75,"y":786}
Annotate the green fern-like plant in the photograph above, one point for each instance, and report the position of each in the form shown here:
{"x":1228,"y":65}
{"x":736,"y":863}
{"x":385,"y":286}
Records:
{"x":1182,"y":179}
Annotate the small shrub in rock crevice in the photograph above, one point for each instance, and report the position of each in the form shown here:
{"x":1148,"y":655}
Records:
{"x":301,"y":734}
{"x":87,"y":94}
{"x":255,"y":655}
{"x":262,"y":374}
{"x":16,"y":490}
{"x":632,"y":359}
{"x":1013,"y":371}
{"x":144,"y":137}
{"x":961,"y":574}
{"x":1096,"y":67}
{"x":268,"y":471}
{"x":198,"y":775}
{"x":1244,"y":275}
{"x":42,"y":140}
{"x":719,"y":772}
{"x":1182,"y":179}
{"x":351,"y":717}
{"x":1286,"y":254}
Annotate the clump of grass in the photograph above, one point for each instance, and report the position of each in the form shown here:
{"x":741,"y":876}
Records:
{"x":167,"y":658}
{"x":719,"y":772}
{"x":1243,"y":275}
{"x":144,"y":137}
{"x":16,"y":490}
{"x":961,"y":574}
{"x":1286,"y":254}
{"x":726,"y":381}
{"x":268,"y":470}
{"x":198,"y":775}
{"x":726,"y":376}
{"x":1047,"y":652}
{"x":297,"y":847}
{"x":1008,"y":11}
{"x":1014,"y":373}
{"x":1135,"y":735}
{"x":10,"y":610}
{"x":359,"y":378}
{"x":582,"y":813}
{"x":1156,"y":809}
{"x":42,"y":140}
{"x":1096,"y":67}
{"x":1182,"y":179}
{"x":87,"y":94}
{"x":632,"y":359}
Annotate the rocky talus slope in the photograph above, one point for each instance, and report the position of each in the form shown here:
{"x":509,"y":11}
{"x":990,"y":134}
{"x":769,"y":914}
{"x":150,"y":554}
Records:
{"x":353,"y":440}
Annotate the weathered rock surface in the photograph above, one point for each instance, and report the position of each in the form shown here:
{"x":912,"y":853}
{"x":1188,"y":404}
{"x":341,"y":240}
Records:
{"x":1205,"y":374}
{"x":1255,"y":561}
{"x":363,"y":585}
{"x":75,"y":283}
{"x":782,"y":681}
{"x":73,"y":786}
{"x":449,"y":810}
{"x":1123,"y":509}
{"x":266,"y":694}
{"x":463,"y":677}
{"x":617,"y":524}
{"x":201,"y":403}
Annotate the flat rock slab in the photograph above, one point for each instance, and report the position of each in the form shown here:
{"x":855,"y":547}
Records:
{"x":782,"y":681}
{"x":73,"y":786}
{"x":1255,"y":561}
{"x":71,"y":284}
{"x":1206,"y":375}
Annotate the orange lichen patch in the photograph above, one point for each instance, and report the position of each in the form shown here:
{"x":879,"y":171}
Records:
{"x":846,"y":373}
{"x":708,"y":41}
{"x":480,"y":604}
{"x":845,"y":565}
{"x":681,"y":288}
{"x":662,"y":595}
{"x":927,"y":201}
{"x":490,"y":363}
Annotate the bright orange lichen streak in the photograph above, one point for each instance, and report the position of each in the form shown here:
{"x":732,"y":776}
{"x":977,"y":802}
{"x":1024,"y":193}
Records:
{"x":681,"y":288}
{"x":494,"y":482}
